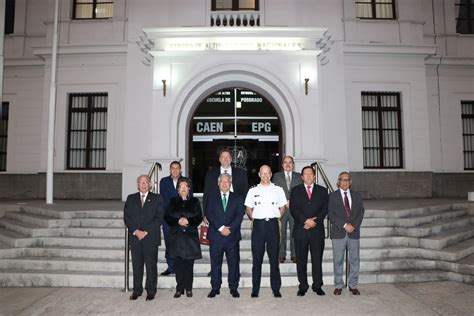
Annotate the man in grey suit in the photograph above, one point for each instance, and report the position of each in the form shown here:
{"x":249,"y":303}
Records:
{"x":345,"y":211}
{"x":287,"y":179}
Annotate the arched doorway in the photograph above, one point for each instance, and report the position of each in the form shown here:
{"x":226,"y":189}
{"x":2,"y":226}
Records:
{"x":240,"y":120}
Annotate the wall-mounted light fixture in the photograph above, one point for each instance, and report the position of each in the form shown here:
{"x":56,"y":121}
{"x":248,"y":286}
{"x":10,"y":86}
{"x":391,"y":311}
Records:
{"x":306,"y":80}
{"x":164,"y":87}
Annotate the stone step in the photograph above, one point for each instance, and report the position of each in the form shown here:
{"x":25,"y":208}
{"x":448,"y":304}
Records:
{"x":27,"y":229}
{"x":446,"y":238}
{"x":11,"y":238}
{"x":201,"y":266}
{"x":436,"y":227}
{"x":34,"y":219}
{"x":407,"y":212}
{"x":13,"y":278}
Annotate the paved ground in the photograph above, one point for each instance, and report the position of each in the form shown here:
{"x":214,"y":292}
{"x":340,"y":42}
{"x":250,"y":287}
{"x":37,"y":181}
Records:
{"x":436,"y":298}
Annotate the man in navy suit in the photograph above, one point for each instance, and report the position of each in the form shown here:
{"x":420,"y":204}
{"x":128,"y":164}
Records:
{"x":309,"y":204}
{"x":168,"y":191}
{"x":143,"y":214}
{"x":225,"y":214}
{"x":239,"y":183}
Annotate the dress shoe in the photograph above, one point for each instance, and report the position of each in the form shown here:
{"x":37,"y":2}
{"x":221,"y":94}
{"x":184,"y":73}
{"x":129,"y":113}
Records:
{"x":150,"y":297}
{"x":337,"y":291}
{"x":189,"y":293}
{"x":213,"y":293}
{"x":167,"y":272}
{"x":354,"y":291}
{"x":134,"y":296}
{"x":301,"y":293}
{"x":294,"y":259}
{"x":178,"y":294}
{"x":319,"y":291}
{"x":254,"y":294}
{"x":234,"y":293}
{"x":209,"y":274}
{"x":281,"y":259}
{"x":276,"y":293}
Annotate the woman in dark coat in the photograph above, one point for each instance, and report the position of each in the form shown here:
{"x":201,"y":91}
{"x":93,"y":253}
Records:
{"x":184,"y":215}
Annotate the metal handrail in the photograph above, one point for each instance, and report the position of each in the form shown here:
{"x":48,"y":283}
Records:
{"x":153,"y":175}
{"x":318,"y":168}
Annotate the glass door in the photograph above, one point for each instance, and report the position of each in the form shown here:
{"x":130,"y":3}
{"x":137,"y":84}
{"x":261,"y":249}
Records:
{"x":243,"y":122}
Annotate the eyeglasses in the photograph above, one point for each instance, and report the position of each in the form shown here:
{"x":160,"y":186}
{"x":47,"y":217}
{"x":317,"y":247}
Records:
{"x":344,"y":180}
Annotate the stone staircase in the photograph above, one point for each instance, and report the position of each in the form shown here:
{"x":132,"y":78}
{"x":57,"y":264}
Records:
{"x":42,"y":246}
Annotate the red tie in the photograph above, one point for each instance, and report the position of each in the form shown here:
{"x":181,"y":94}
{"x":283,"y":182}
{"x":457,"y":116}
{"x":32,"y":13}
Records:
{"x":346,"y":205}
{"x":309,"y":191}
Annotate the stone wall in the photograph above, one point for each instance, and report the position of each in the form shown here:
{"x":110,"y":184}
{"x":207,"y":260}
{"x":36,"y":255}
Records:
{"x":73,"y":186}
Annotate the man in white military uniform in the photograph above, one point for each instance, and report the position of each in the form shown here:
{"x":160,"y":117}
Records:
{"x":265,"y":203}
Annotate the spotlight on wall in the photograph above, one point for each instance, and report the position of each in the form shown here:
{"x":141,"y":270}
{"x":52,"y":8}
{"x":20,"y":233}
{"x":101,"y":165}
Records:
{"x":164,"y":87}
{"x":306,"y":80}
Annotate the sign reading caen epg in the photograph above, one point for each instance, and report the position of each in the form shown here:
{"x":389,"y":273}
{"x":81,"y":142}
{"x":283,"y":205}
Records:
{"x":248,"y":126}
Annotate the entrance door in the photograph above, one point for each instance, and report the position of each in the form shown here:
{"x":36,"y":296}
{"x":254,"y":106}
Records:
{"x":240,"y":120}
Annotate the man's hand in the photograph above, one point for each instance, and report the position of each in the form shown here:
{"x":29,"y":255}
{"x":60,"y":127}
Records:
{"x":310,"y":223}
{"x":225,"y":231}
{"x":140,"y":234}
{"x":349,"y":228}
{"x":183,"y":221}
{"x":205,"y":220}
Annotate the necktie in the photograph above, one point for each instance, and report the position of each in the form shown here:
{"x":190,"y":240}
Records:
{"x":309,"y":191}
{"x":143,"y":199}
{"x":224,"y":201}
{"x":346,"y":205}
{"x":288,"y":181}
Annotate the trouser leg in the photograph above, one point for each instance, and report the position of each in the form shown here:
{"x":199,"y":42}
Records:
{"x":179,"y":273}
{"x":301,"y":247}
{"x":338,"y":250}
{"x":233,"y":265}
{"x":354,"y":262}
{"x":273,"y":246}
{"x":258,"y":250}
{"x":283,"y":233}
{"x":151,"y":259}
{"x":137,"y":265}
{"x":216,"y":252}
{"x":317,"y":249}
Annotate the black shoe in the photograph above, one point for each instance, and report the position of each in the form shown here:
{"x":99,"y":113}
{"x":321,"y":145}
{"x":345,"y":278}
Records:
{"x":150,"y":297}
{"x":276,"y":293}
{"x":178,"y":294}
{"x":167,"y":272}
{"x":189,"y":293}
{"x":234,"y":293}
{"x":319,"y":291}
{"x":254,"y":294}
{"x":213,"y":293}
{"x":134,"y":296}
{"x":209,"y":274}
{"x":301,"y":293}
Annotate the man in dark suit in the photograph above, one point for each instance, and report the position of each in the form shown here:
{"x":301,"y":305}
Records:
{"x":287,"y":179}
{"x":168,"y":190}
{"x":225,"y":214}
{"x":143,"y":214}
{"x":239,"y":184}
{"x":345,"y":211}
{"x":309,"y":203}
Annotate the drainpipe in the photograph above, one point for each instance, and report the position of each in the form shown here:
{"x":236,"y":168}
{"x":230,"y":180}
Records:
{"x":52,"y":109}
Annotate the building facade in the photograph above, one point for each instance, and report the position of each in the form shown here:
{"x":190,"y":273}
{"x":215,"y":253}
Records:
{"x":382,"y":88}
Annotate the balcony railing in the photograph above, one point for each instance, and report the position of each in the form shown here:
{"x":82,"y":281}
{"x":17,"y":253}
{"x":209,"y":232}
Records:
{"x":235,"y":19}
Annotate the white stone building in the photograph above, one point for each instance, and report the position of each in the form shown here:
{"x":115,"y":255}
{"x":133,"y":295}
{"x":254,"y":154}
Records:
{"x":382,"y":88}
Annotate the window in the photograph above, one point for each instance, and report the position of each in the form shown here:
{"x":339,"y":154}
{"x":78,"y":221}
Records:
{"x":465,"y":17}
{"x":93,"y":9}
{"x":467,"y":114}
{"x":234,"y":5}
{"x":381,"y":130}
{"x":375,"y":9}
{"x":87,"y":131}
{"x":9,"y":16}
{"x":3,"y":135}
